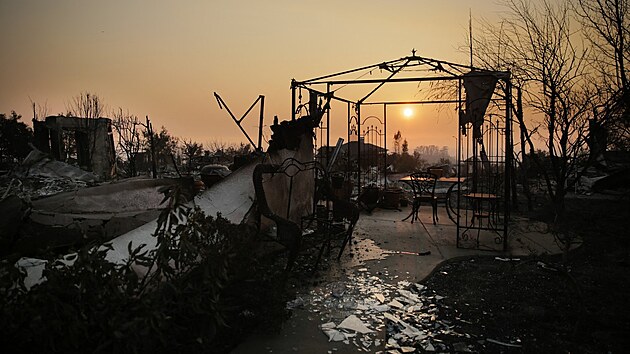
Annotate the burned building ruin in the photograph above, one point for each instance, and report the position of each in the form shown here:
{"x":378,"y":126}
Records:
{"x":87,"y":142}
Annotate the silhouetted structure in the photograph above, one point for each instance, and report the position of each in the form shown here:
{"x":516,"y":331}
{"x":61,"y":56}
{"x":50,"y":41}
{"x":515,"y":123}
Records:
{"x":90,"y":139}
{"x":483,"y":100}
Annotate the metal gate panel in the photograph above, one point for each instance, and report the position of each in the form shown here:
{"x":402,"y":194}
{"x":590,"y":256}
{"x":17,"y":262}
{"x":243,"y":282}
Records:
{"x":484,"y":159}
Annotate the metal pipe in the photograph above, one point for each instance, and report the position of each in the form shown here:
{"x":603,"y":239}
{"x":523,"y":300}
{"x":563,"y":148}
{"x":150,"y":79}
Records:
{"x":358,"y":105}
{"x":328,"y":128}
{"x":261,"y":121}
{"x":410,"y":102}
{"x":437,"y":64}
{"x":293,"y":86}
{"x":373,"y":66}
{"x":385,"y":140}
{"x":238,"y":121}
{"x":386,"y":80}
{"x":508,"y":156}
{"x":390,"y":77}
{"x":348,"y":162}
{"x":458,"y":157}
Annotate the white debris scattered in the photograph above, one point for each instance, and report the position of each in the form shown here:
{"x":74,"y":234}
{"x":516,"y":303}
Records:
{"x":362,"y":307}
{"x":507,"y":259}
{"x":409,"y":295}
{"x":412,"y":332}
{"x":391,"y":317}
{"x":395,"y":303}
{"x":503,"y":343}
{"x":34,"y":269}
{"x":404,"y":284}
{"x":335,"y":335}
{"x":381,"y":308}
{"x":392,"y":343}
{"x":328,"y":325}
{"x":338,"y":290}
{"x":546,"y":266}
{"x":414,"y":308}
{"x":367,"y":306}
{"x":296,"y":303}
{"x":353,"y":323}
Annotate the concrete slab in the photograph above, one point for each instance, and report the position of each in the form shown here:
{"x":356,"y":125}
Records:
{"x":394,"y":251}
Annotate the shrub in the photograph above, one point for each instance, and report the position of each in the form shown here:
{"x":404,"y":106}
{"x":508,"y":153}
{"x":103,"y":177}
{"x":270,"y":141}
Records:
{"x":174,"y":305}
{"x":14,"y":139}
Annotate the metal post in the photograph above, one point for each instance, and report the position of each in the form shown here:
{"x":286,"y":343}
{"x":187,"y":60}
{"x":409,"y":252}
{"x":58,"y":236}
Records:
{"x":458,"y":156}
{"x":260,"y":123}
{"x":328,"y":126}
{"x":152,"y":142}
{"x":508,"y":157}
{"x":348,"y":155}
{"x":358,"y":105}
{"x":292,"y":99}
{"x":385,"y":140}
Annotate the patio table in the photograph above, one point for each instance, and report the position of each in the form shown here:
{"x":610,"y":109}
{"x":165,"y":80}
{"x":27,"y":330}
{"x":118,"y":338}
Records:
{"x":452,"y":181}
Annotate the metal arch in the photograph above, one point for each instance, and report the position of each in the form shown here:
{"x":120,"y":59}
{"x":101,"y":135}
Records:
{"x":375,"y":117}
{"x":372,"y":129}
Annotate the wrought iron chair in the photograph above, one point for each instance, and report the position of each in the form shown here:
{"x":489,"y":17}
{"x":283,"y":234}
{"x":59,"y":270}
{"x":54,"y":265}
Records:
{"x":483,"y":195}
{"x":423,"y":187}
{"x":289,"y":233}
{"x":482,"y":208}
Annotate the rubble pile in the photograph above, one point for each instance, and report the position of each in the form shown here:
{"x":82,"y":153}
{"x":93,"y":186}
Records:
{"x":374,"y":315}
{"x":40,"y":176}
{"x":32,"y":188}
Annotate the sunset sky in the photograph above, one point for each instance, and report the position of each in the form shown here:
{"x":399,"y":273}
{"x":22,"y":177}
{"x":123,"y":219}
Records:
{"x":164,"y":59}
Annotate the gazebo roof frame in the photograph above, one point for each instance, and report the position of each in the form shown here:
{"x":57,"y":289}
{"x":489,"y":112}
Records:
{"x":445,"y":70}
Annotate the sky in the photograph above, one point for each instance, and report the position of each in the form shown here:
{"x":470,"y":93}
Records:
{"x":164,"y":58}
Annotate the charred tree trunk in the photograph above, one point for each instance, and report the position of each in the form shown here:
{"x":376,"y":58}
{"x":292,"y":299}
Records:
{"x":525,"y":158}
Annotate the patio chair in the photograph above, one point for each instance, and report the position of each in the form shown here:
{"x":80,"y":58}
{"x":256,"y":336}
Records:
{"x":290,"y":233}
{"x":484,"y":195}
{"x":423,"y":187}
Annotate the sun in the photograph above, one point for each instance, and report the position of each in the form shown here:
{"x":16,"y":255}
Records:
{"x":408,"y":112}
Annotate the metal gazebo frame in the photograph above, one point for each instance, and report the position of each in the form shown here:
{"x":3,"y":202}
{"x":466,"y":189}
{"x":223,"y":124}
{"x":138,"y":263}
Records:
{"x":405,"y":70}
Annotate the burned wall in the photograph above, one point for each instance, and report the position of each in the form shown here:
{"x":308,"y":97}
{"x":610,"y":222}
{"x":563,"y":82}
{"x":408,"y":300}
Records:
{"x":92,"y":141}
{"x":290,"y":139}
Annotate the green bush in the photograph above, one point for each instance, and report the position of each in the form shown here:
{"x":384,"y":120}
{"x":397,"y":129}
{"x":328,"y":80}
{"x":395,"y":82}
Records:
{"x":178,"y":305}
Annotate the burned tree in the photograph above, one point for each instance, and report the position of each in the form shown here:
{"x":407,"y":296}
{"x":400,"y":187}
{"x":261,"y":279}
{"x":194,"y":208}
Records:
{"x":78,"y":141}
{"x":162,"y":145}
{"x":191,"y":150}
{"x":607,"y":27}
{"x":86,"y":105}
{"x":14,"y":139}
{"x":130,"y":140}
{"x":538,"y":45}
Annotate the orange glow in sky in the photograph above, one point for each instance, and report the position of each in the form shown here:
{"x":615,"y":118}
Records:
{"x":165,"y":58}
